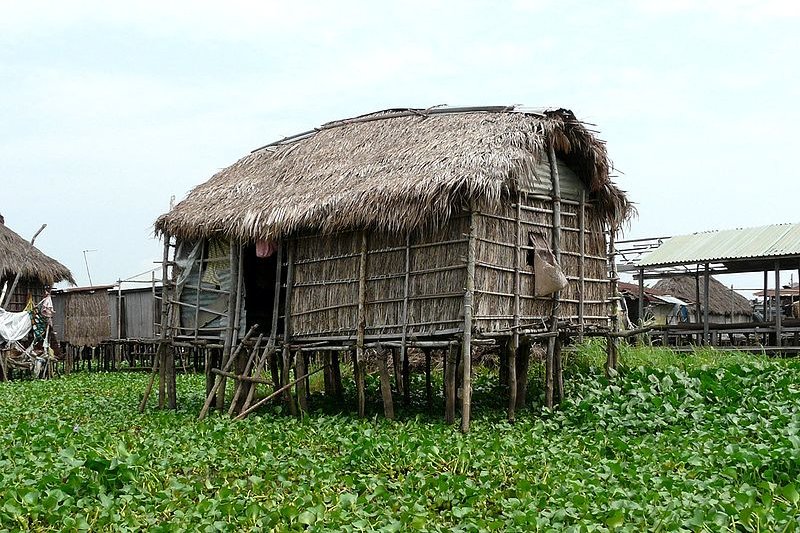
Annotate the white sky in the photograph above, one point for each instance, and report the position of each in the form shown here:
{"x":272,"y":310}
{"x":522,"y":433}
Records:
{"x":107,"y":109}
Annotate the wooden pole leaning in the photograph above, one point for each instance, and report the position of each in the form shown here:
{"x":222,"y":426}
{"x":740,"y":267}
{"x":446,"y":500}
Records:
{"x":466,"y":343}
{"x":233,"y":260}
{"x":219,"y":381}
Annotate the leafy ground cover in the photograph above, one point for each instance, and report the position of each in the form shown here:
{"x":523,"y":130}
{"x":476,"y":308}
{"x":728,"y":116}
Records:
{"x":696,"y":442}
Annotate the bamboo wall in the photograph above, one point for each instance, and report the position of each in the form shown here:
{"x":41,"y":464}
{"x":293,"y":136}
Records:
{"x":325,"y":282}
{"x":496,"y":263}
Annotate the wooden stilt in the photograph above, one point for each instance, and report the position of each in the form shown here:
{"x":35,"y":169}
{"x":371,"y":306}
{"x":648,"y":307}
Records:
{"x":406,"y":379}
{"x":362,"y":323}
{"x":466,"y":344}
{"x":386,"y":385}
{"x":337,"y":376}
{"x":523,"y":363}
{"x":283,"y":389}
{"x":551,"y":369}
{"x":287,"y":391}
{"x":229,"y":330}
{"x":611,"y":342}
{"x":300,"y":370}
{"x":450,"y":386}
{"x":398,"y":372}
{"x":428,"y":380}
{"x":511,"y":372}
{"x":558,"y":392}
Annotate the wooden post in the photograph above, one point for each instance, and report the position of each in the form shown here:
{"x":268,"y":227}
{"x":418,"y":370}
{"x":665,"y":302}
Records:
{"x":300,"y":370}
{"x":165,"y":305}
{"x":402,"y":385}
{"x":581,"y":263}
{"x":287,"y":327}
{"x":358,"y":367}
{"x":240,"y":385}
{"x":10,"y":293}
{"x":697,"y":306}
{"x":766,"y":282}
{"x":219,"y":382}
{"x":706,"y":283}
{"x":197,"y":288}
{"x":611,"y":343}
{"x":337,"y":376}
{"x":550,"y":366}
{"x":406,"y":379}
{"x":230,"y":335}
{"x":466,"y":343}
{"x":450,"y":386}
{"x":641,"y":298}
{"x":523,"y":363}
{"x":778,"y":318}
{"x":428,"y":380}
{"x":386,"y":385}
{"x":510,"y":362}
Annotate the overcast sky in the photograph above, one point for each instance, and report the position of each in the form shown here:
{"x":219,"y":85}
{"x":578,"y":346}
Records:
{"x":108,"y":109}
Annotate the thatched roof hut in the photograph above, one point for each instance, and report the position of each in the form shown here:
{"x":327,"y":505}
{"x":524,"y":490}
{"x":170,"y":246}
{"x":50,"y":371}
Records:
{"x":35,"y":269}
{"x":393,"y":171}
{"x":405,"y":227}
{"x":724,"y":304}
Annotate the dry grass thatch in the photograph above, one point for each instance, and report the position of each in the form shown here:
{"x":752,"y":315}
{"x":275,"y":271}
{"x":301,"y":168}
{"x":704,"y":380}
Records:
{"x":18,"y":256}
{"x":393,"y":171}
{"x":86,"y":321}
{"x":719,"y":296}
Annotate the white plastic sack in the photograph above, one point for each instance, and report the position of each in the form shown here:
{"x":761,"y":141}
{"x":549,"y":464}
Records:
{"x":14,"y":326}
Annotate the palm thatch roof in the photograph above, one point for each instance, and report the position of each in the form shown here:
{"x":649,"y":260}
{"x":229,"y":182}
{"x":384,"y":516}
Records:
{"x":720,"y":298}
{"x":18,"y":256}
{"x":394,"y":170}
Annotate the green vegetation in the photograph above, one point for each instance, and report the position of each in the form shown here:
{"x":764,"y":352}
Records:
{"x":699,"y":441}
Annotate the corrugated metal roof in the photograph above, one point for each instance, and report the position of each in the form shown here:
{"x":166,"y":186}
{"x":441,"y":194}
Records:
{"x":714,"y":246}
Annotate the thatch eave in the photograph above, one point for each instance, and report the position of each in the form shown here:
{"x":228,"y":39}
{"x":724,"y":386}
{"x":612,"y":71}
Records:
{"x":395,"y":171}
{"x":17,"y":256}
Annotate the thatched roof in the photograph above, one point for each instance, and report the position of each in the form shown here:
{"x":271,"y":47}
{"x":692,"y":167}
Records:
{"x":18,"y":256}
{"x":394,"y":170}
{"x":719,"y":296}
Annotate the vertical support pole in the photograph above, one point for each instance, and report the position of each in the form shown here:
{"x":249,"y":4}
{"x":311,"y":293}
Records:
{"x":697,"y":306}
{"x":229,"y":340}
{"x":428,"y":380}
{"x":510,"y":361}
{"x":466,"y":343}
{"x":581,"y":263}
{"x":300,"y":371}
{"x":778,"y":318}
{"x":402,"y":384}
{"x":197,"y":288}
{"x":165,"y":304}
{"x":361,"y":325}
{"x":764,"y":303}
{"x":119,"y":309}
{"x":706,"y":285}
{"x":552,"y":379}
{"x":450,"y":385}
{"x":386,"y":385}
{"x":406,"y":380}
{"x":641,"y":298}
{"x":287,"y":327}
{"x":611,"y":344}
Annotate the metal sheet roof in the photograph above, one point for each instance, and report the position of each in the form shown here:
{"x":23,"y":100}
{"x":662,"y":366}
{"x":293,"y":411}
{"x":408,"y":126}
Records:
{"x":714,"y":246}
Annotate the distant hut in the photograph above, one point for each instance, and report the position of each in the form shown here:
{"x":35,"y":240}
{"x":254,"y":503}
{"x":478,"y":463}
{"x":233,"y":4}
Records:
{"x":725,"y":306}
{"x":33,"y":270}
{"x":659,"y":307}
{"x":403,"y":226}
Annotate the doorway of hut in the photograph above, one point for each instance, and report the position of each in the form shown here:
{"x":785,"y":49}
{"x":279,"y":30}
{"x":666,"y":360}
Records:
{"x":259,"y":285}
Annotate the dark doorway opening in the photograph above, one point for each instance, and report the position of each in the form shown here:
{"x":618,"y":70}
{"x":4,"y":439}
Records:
{"x":259,"y":283}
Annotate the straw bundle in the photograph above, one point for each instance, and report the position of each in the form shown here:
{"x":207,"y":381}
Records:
{"x":87,"y":321}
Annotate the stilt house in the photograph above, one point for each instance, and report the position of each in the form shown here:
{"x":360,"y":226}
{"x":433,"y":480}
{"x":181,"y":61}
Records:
{"x":402,"y":226}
